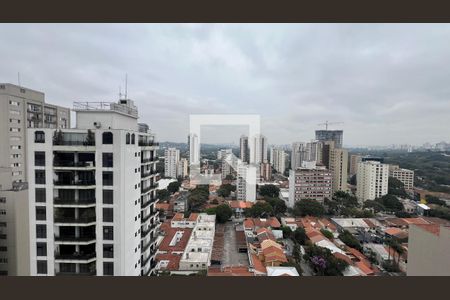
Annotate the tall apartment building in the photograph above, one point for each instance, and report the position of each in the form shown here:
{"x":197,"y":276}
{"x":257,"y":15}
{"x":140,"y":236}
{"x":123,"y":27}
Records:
{"x":354,"y":160}
{"x":92,"y":194}
{"x":246,"y":182}
{"x":331,"y":135}
{"x":265,"y":171}
{"x":278,"y":159}
{"x":313,"y":183}
{"x":259,"y":154}
{"x":20,"y":108}
{"x":244,"y":151}
{"x":223,"y":152}
{"x":313,"y":151}
{"x":338,"y":167}
{"x":428,"y":250}
{"x":404,"y":175}
{"x":298,"y":155}
{"x":183,"y":168}
{"x":371,"y":180}
{"x":171,"y":159}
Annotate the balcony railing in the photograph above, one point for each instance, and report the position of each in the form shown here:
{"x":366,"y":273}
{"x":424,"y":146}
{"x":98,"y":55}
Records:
{"x":75,"y":256}
{"x":74,"y":182}
{"x":75,"y":239}
{"x":145,"y":219}
{"x":70,"y":163}
{"x":65,"y":201}
{"x":148,"y":143}
{"x":145,"y":261}
{"x":80,"y":273}
{"x":82,"y":219}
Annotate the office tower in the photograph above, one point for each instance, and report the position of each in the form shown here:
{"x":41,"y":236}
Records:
{"x":246,"y":182}
{"x":259,"y":154}
{"x":278,"y":157}
{"x":92,"y":193}
{"x":20,"y":108}
{"x":338,"y":164}
{"x":314,"y":151}
{"x":331,"y":135}
{"x":266,"y":171}
{"x":404,"y":175}
{"x":298,"y":155}
{"x":428,"y":250}
{"x":354,"y":160}
{"x":371,"y":180}
{"x":313,"y":182}
{"x":182,"y":168}
{"x":171,"y":159}
{"x":244,"y":151}
{"x":221,"y":153}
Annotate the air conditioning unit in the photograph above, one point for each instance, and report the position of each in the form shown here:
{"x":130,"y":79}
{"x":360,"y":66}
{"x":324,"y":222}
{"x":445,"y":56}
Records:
{"x":97,"y":124}
{"x":89,"y":163}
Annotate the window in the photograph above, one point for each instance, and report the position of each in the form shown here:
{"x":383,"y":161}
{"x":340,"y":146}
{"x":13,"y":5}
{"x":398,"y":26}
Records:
{"x":108,"y":268}
{"x":2,"y":199}
{"x":40,"y":195}
{"x":2,"y":224}
{"x":42,"y":267}
{"x":108,"y":233}
{"x":108,"y":251}
{"x":2,"y":212}
{"x":107,"y":138}
{"x":41,"y":231}
{"x":107,"y":178}
{"x":133,"y":139}
{"x":41,"y":249}
{"x":39,"y":137}
{"x":39,"y":176}
{"x":108,"y":196}
{"x":107,"y":214}
{"x":127,"y":139}
{"x":3,"y":248}
{"x":41,"y":213}
{"x":39,"y":158}
{"x":107,"y":160}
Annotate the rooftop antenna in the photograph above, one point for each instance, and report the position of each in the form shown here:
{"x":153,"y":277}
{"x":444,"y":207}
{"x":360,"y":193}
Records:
{"x":126,"y":86}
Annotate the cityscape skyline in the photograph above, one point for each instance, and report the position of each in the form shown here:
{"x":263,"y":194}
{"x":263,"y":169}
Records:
{"x":287,"y":73}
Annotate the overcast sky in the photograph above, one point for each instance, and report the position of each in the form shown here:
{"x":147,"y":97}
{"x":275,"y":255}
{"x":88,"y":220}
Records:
{"x":387,"y":83}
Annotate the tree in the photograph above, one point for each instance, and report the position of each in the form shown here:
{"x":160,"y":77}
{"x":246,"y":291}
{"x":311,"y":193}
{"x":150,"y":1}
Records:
{"x":300,"y":235}
{"x":229,"y":177}
{"x":90,"y":138}
{"x":308,"y":207}
{"x":162,"y":194}
{"x":173,"y":187}
{"x":278,"y":205}
{"x":396,"y":187}
{"x":345,"y":199}
{"x":287,"y":232}
{"x":375,"y":205}
{"x":223,"y":213}
{"x":323,"y":262}
{"x":259,"y":209}
{"x":198,"y":197}
{"x":347,"y":238}
{"x":225,"y":190}
{"x":269,"y":190}
{"x":328,"y":234}
{"x":390,"y":202}
{"x":434,"y":200}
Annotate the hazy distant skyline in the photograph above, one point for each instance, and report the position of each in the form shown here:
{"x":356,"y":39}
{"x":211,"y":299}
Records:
{"x":388,"y":83}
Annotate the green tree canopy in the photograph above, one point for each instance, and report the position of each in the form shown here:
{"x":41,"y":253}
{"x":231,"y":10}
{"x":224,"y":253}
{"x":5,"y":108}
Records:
{"x":223,"y":212}
{"x":269,"y":190}
{"x":278,"y":205}
{"x":173,"y":187}
{"x":347,"y":238}
{"x":390,"y":202}
{"x":434,"y":200}
{"x":396,"y":187}
{"x":259,"y":209}
{"x":225,"y":190}
{"x":300,"y":235}
{"x":162,"y":194}
{"x":308,"y":207}
{"x":328,"y":234}
{"x":198,"y":197}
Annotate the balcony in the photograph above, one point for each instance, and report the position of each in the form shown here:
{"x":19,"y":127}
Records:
{"x":80,"y":273}
{"x":75,"y":220}
{"x":72,"y":182}
{"x":147,"y":143}
{"x":76,"y":256}
{"x":72,"y":164}
{"x":148,"y":202}
{"x":148,"y":188}
{"x":145,"y":261}
{"x":71,"y":240}
{"x":73,"y":202}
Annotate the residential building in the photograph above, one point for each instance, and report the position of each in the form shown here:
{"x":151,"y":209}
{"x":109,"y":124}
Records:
{"x":183,"y":168}
{"x":246,"y":182}
{"x":259,"y":154}
{"x":428,"y":250}
{"x":223,"y":152}
{"x":404,"y":175}
{"x":20,"y":108}
{"x":244,"y":151}
{"x":266,"y":171}
{"x":371,"y":180}
{"x":298,"y":155}
{"x":313,"y":183}
{"x":171,"y":159}
{"x":314,"y":151}
{"x":278,"y":159}
{"x":338,"y":164}
{"x":331,"y":135}
{"x":354,"y":160}
{"x":92,"y":194}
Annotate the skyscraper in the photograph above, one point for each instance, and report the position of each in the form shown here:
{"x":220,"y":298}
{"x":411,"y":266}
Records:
{"x":338,"y":165}
{"x":244,"y":153}
{"x":331,"y":135}
{"x":171,"y":159}
{"x":260,"y":149}
{"x":278,"y":157}
{"x":92,"y":194}
{"x":371,"y":180}
{"x":298,"y":155}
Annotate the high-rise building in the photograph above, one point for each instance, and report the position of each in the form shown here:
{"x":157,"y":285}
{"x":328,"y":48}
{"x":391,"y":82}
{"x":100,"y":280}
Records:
{"x":259,"y":154}
{"x":371,"y":180}
{"x":313,"y":183}
{"x":221,"y":153}
{"x":194,"y":149}
{"x":278,"y":159}
{"x":298,"y":155}
{"x":338,"y":164}
{"x":404,"y":175}
{"x":182,"y":168}
{"x":266,"y":171}
{"x":244,"y":152}
{"x":92,"y":194}
{"x":20,"y":108}
{"x":246,"y":182}
{"x":354,"y":160}
{"x":331,"y":135}
{"x":314,"y":151}
{"x":171,"y":159}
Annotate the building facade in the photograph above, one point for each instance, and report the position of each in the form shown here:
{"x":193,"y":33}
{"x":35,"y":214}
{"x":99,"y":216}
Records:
{"x":404,"y":175}
{"x":171,"y":159}
{"x":354,"y":160}
{"x":298,"y":155}
{"x":260,"y":149}
{"x":371,"y":180}
{"x":244,"y":151}
{"x":278,"y":159}
{"x":315,"y":183}
{"x":92,"y":193}
{"x":266,"y":171}
{"x":331,"y":135}
{"x":183,"y":168}
{"x":20,"y":108}
{"x":338,"y":164}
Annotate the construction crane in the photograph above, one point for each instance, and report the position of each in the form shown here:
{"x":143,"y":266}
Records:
{"x":329,"y":123}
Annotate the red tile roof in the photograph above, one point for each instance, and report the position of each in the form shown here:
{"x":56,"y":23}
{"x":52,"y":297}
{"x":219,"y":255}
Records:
{"x":174,"y":261}
{"x":178,"y":217}
{"x":193,"y":217}
{"x":432,"y":228}
{"x":240,"y":204}
{"x":163,"y":206}
{"x":415,"y":221}
{"x":258,"y":265}
{"x":169,"y":234}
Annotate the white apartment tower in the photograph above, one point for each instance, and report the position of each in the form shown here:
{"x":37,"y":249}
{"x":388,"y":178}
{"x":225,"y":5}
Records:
{"x":371,"y":180}
{"x":259,"y":149}
{"x":182,"y":168}
{"x":278,"y":159}
{"x":171,"y":159}
{"x":92,"y":193}
{"x":246,"y":182}
{"x":298,"y":155}
{"x":20,"y":108}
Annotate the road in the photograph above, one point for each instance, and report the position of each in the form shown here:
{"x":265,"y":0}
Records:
{"x":231,"y":256}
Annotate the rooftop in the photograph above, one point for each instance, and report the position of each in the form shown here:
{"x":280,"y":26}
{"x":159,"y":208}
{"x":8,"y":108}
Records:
{"x":125,"y":107}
